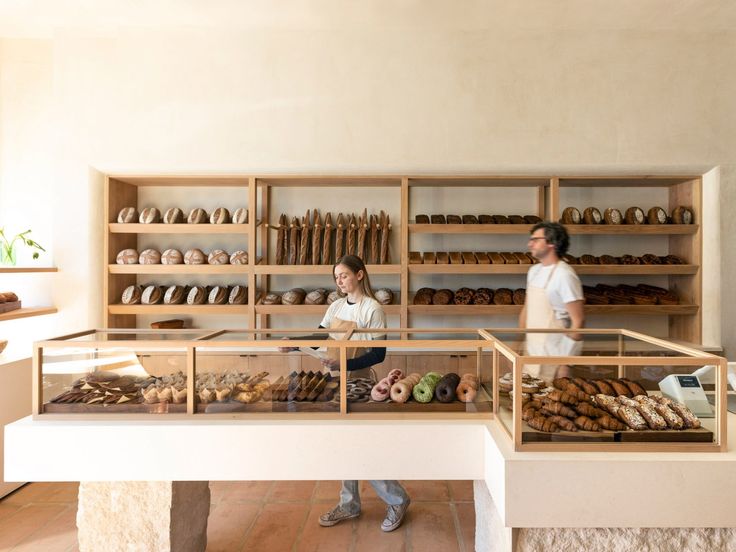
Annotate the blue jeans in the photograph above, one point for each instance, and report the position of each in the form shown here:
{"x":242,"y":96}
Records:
{"x":390,"y":491}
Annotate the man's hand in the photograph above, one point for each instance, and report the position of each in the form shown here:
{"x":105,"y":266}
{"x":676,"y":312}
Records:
{"x":331,"y":364}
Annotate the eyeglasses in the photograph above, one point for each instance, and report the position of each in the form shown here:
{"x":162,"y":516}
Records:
{"x":535,"y":239}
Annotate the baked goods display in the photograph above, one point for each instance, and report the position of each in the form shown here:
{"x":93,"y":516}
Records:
{"x":312,"y":240}
{"x":646,"y":259}
{"x":153,"y":294}
{"x":319,"y":296}
{"x":174,"y":215}
{"x":9,"y":302}
{"x":422,"y":389}
{"x":173,"y":256}
{"x":171,"y":324}
{"x":467,"y":296}
{"x":623,"y":294}
{"x":632,"y":215}
{"x":454,"y":257}
{"x":477,"y":219}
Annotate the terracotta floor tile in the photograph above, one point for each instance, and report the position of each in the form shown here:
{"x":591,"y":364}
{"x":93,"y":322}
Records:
{"x":60,"y":492}
{"x":466,"y":517}
{"x":292,"y":491}
{"x":315,"y":538}
{"x":327,"y":491}
{"x":433,"y":528}
{"x":370,"y":538}
{"x":277,"y":527}
{"x":421,"y":491}
{"x":461,"y":491}
{"x":28,"y":520}
{"x":228,"y":524}
{"x":57,"y":536}
{"x":247,"y":491}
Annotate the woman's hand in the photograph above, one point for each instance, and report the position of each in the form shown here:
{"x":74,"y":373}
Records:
{"x":287,"y":349}
{"x":331,"y":364}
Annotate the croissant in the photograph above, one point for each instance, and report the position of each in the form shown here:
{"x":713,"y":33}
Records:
{"x":585,"y":386}
{"x":542,"y":423}
{"x":609,"y":422}
{"x":554,"y":407}
{"x":528,"y":413}
{"x":586,"y":424}
{"x":562,"y":396}
{"x":589,"y":410}
{"x":564,"y":423}
{"x":576,"y":392}
{"x":561,"y":383}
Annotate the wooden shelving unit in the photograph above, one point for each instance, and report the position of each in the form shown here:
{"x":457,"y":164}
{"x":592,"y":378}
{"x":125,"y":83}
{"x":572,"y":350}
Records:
{"x":27,"y":312}
{"x":26,"y":269}
{"x":683,"y":240}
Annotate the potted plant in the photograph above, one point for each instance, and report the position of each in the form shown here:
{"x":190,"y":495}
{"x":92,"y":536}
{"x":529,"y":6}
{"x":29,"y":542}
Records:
{"x":8,"y":249}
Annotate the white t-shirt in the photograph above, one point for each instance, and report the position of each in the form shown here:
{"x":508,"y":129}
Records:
{"x":564,"y":285}
{"x":367,"y":313}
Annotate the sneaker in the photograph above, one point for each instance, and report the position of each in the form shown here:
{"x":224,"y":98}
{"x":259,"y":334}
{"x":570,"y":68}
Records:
{"x":335,"y":516}
{"x":394,"y":516}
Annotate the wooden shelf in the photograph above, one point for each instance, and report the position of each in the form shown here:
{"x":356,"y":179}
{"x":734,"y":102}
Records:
{"x":632,"y":229}
{"x":27,"y":312}
{"x":643,"y":270}
{"x":311,"y":309}
{"x":469,"y":228}
{"x":321,"y":269}
{"x":134,"y":228}
{"x":178,"y":309}
{"x":26,"y":269}
{"x":477,"y":310}
{"x":179,"y":269}
{"x":469,"y":268}
{"x":603,"y":270}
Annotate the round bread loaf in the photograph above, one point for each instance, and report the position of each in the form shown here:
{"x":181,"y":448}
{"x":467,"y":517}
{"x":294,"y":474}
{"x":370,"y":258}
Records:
{"x":570,"y":215}
{"x":128,"y":215}
{"x":634,"y":215}
{"x":607,"y":260}
{"x":132,"y":295}
{"x":657,"y":215}
{"x":174,"y":215}
{"x":630,"y":260}
{"x":532,"y":219}
{"x":650,"y":259}
{"x":238,"y":295}
{"x":220,"y":216}
{"x":316,"y":297}
{"x":218,"y":295}
{"x":612,"y":216}
{"x":500,"y":219}
{"x":485,"y":219}
{"x":151,"y":295}
{"x":454,"y":219}
{"x":483,"y":296}
{"x":682,"y":215}
{"x":174,"y":295}
{"x":272,"y":299}
{"x":240,"y":257}
{"x":8,"y":297}
{"x":516,"y":219}
{"x":463,"y":296}
{"x":218,"y":257}
{"x":503,"y":296}
{"x":467,"y":219}
{"x":519,"y":296}
{"x":293,"y":297}
{"x":150,"y":215}
{"x":197,"y":296}
{"x":423,"y":299}
{"x":591,"y":215}
{"x":172,"y":257}
{"x":197,"y":216}
{"x":384,"y":296}
{"x":442,"y":297}
{"x":569,"y":259}
{"x":333,"y":296}
{"x":195,"y":257}
{"x":588,"y":259}
{"x":149,"y":257}
{"x":127,"y":256}
{"x":240,"y":216}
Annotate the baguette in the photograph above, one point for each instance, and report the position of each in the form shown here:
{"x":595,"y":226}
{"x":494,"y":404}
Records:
{"x":385,"y":224}
{"x":281,"y":240}
{"x":362,"y":233}
{"x":293,"y":241}
{"x":352,"y":235}
{"x":340,"y":237}
{"x":327,"y":239}
{"x":317,"y":238}
{"x":304,"y":244}
{"x":376,"y":239}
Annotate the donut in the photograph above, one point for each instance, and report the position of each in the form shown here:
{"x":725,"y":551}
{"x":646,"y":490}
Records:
{"x":394,"y":376}
{"x":465,"y":392}
{"x":401,"y":391}
{"x":445,"y":390}
{"x":380,"y":391}
{"x":424,"y":390}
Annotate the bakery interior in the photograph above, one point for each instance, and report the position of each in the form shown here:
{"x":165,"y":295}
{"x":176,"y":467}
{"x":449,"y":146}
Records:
{"x":188,"y":175}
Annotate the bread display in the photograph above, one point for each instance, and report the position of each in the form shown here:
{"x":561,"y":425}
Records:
{"x":463,"y":296}
{"x":173,"y":215}
{"x":467,"y":257}
{"x":174,"y":295}
{"x":220,"y":216}
{"x":172,"y":257}
{"x":271,"y":299}
{"x":503,"y":296}
{"x":454,"y":219}
{"x":421,"y":219}
{"x":634,"y":215}
{"x":218,"y":295}
{"x":570,"y":215}
{"x":293,"y":297}
{"x":197,"y":295}
{"x":623,"y":294}
{"x":612,"y":216}
{"x":218,"y":257}
{"x":197,"y":216}
{"x":127,"y":256}
{"x":149,"y":257}
{"x":316,"y":297}
{"x":657,"y":215}
{"x":131,"y":295}
{"x":240,"y":257}
{"x":682,"y":215}
{"x":591,"y":215}
{"x":195,"y":257}
{"x":438,"y":219}
{"x":384,"y":296}
{"x":152,"y":295}
{"x":240,"y":216}
{"x":519,"y":296}
{"x":238,"y":295}
{"x":477,"y":219}
{"x":128,"y":215}
{"x":442,"y":297}
{"x":150,"y":215}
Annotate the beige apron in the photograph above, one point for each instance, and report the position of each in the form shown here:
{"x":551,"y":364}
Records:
{"x":352,"y":352}
{"x":540,"y":314}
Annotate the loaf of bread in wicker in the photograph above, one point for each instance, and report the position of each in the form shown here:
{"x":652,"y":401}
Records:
{"x":197,"y":216}
{"x":172,"y":257}
{"x":128,"y":215}
{"x":127,"y":256}
{"x":293,"y":297}
{"x":570,"y":215}
{"x":240,"y":216}
{"x":272,"y":299}
{"x":195,"y":257}
{"x":612,"y":216}
{"x":384,"y":296}
{"x":682,"y":215}
{"x":220,"y":216}
{"x":152,"y":295}
{"x":442,"y":297}
{"x":197,"y":296}
{"x":316,"y":297}
{"x":150,"y":215}
{"x":173,"y":215}
{"x":174,"y":295}
{"x":591,"y":215}
{"x":240,"y":257}
{"x":131,"y":295}
{"x":149,"y":257}
{"x":218,"y":257}
{"x":238,"y":295}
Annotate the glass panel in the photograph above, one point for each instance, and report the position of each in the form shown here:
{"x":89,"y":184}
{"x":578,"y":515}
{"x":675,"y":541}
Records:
{"x":275,"y":335}
{"x":144,"y":335}
{"x":114,"y":380}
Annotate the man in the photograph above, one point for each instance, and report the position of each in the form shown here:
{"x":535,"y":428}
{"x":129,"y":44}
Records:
{"x":554,"y":295}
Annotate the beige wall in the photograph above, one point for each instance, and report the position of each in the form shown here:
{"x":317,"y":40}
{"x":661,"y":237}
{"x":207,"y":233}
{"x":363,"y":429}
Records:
{"x":399,"y":95}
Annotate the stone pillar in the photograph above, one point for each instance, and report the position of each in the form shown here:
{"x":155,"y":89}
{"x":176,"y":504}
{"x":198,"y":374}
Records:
{"x":492,"y":536}
{"x":143,"y":516}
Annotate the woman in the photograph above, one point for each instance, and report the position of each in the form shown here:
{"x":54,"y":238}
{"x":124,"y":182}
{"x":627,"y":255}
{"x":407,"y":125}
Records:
{"x":360,"y":310}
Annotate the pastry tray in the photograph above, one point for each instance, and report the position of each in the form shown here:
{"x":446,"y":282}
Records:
{"x":482,"y":403}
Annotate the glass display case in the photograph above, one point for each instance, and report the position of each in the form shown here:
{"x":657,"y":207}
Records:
{"x":234,"y":373}
{"x":606,"y":389}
